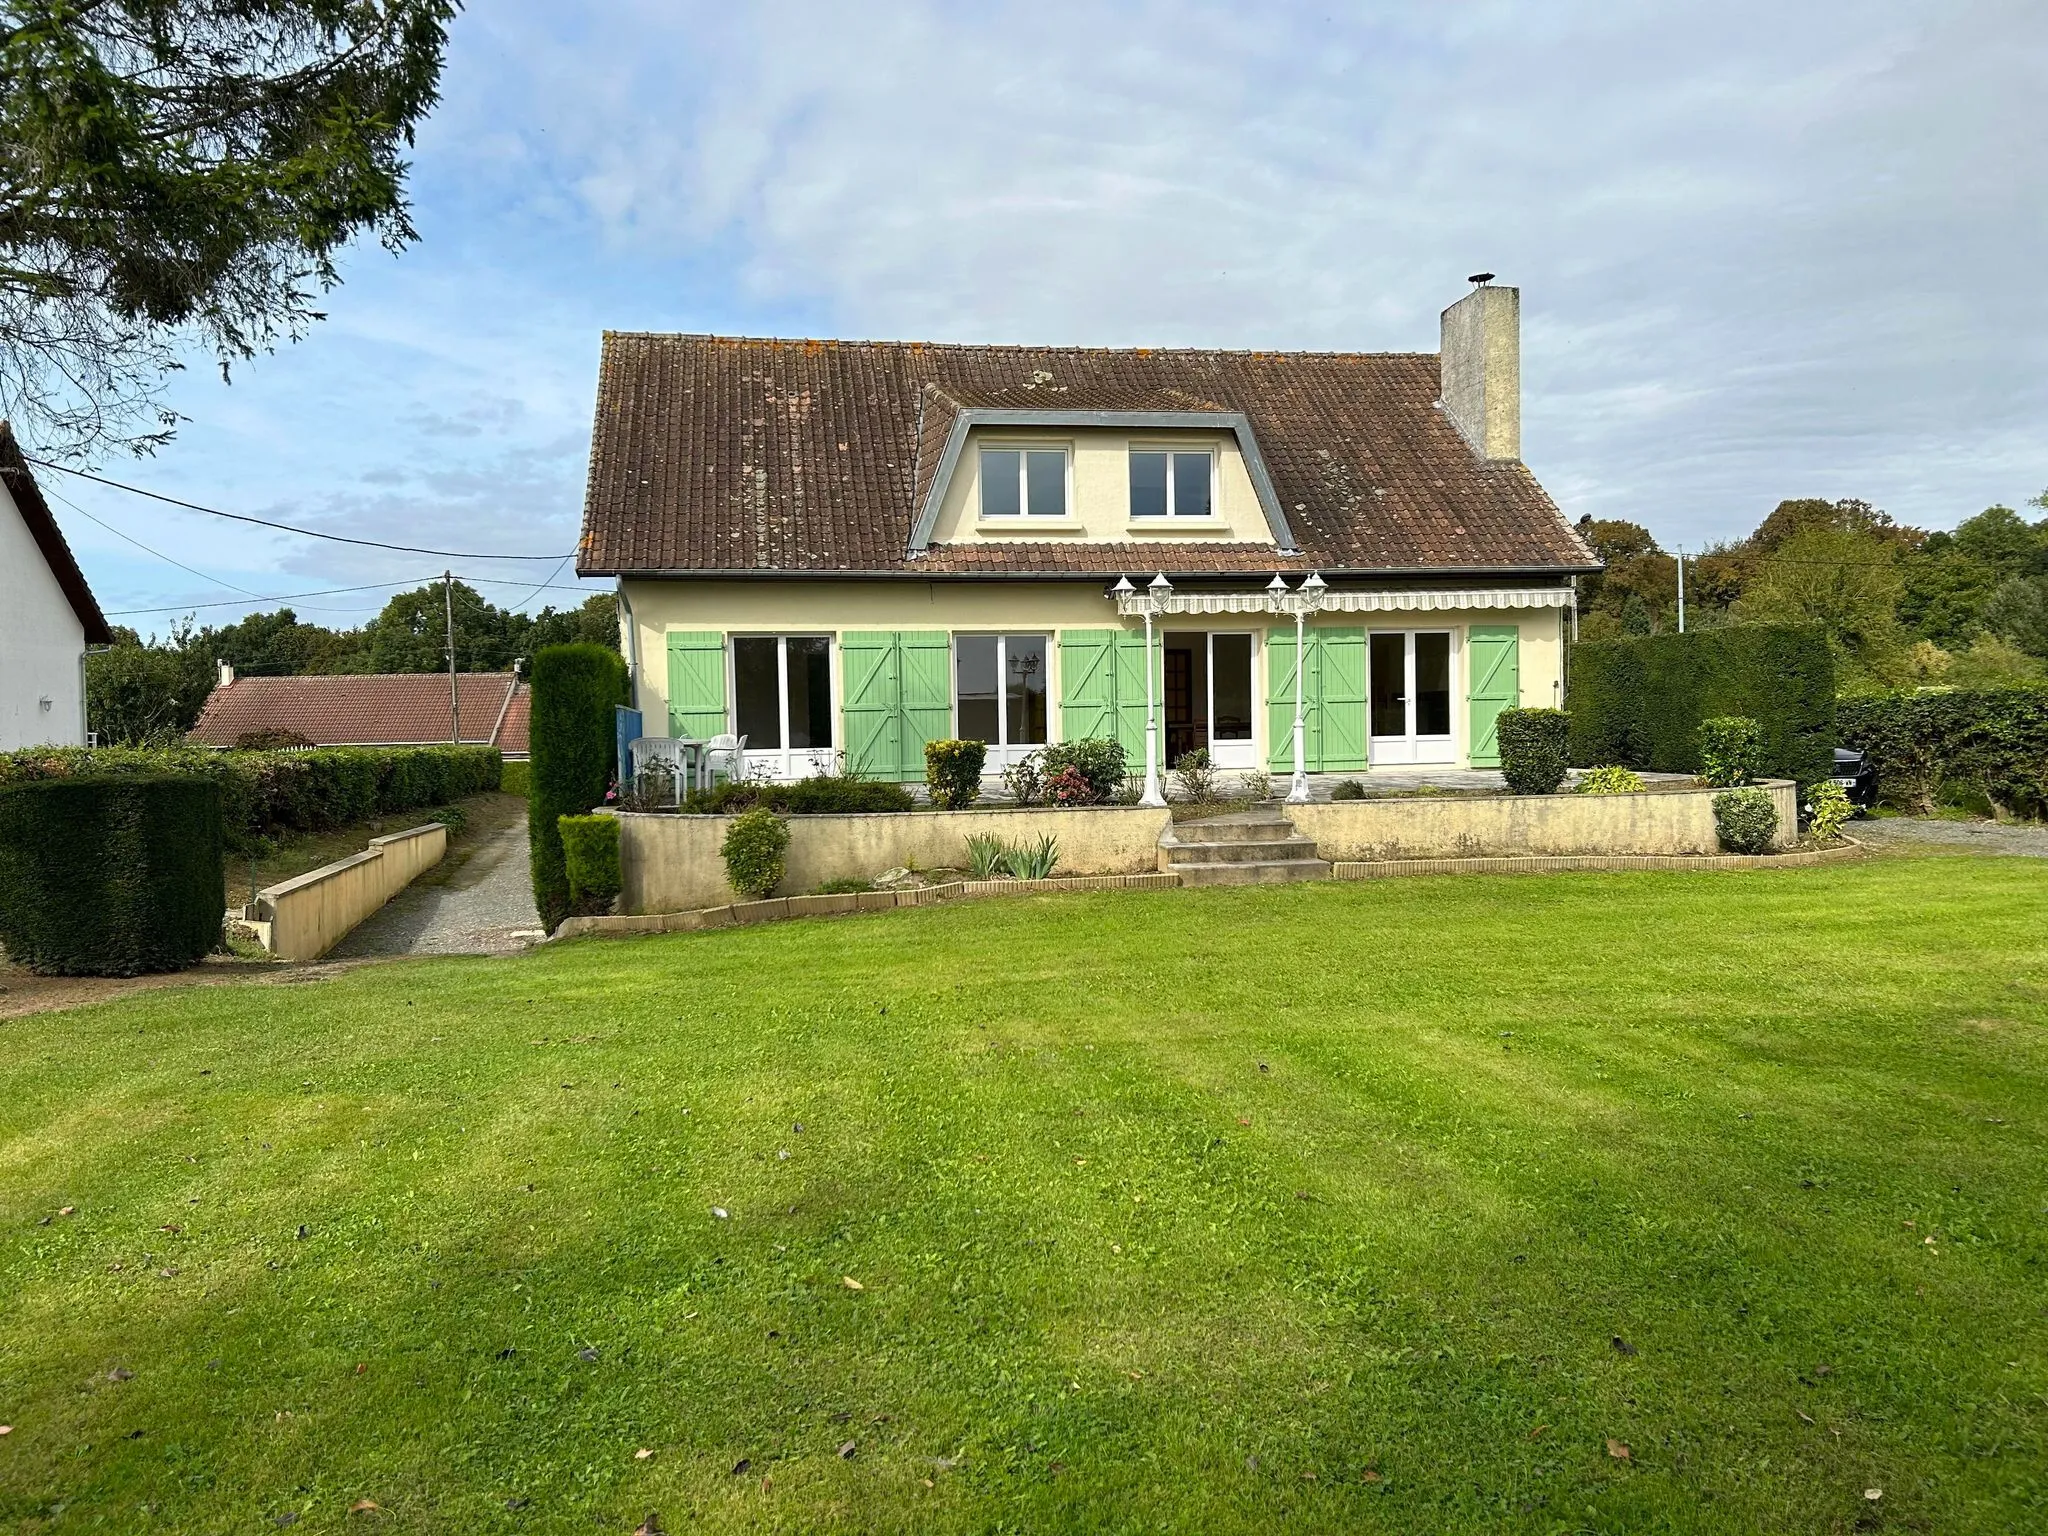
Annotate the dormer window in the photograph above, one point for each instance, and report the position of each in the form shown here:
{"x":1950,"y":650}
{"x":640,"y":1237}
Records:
{"x":1172,"y":483}
{"x":1023,"y":482}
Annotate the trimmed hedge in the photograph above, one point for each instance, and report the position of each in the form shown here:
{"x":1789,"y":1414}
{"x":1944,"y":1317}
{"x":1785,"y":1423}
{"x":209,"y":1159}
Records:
{"x":110,"y":876}
{"x":1532,"y":749}
{"x":268,"y":794}
{"x":1640,"y":702}
{"x":1994,"y":740}
{"x":821,"y":794}
{"x":574,"y":746}
{"x":753,"y":851}
{"x":590,"y":854}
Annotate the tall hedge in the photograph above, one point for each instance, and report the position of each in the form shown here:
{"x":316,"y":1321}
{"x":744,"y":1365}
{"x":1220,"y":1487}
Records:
{"x":574,"y":750}
{"x":1991,"y":739}
{"x":1640,"y":702}
{"x":110,"y":876}
{"x":267,"y":794}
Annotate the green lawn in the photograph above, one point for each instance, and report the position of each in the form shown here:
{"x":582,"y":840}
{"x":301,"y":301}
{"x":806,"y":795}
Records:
{"x":1334,"y":1207}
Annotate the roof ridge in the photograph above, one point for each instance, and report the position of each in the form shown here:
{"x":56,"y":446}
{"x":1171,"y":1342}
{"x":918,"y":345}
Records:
{"x":878,"y":343}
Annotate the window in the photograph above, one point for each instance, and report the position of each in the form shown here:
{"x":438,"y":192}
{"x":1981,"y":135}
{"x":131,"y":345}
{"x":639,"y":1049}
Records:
{"x":782,"y":691}
{"x":1023,"y":482}
{"x":1167,"y":484}
{"x":999,"y":686}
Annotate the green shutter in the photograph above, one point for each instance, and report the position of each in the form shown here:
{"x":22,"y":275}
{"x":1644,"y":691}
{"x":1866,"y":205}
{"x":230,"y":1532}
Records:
{"x":696,"y":683}
{"x":869,"y":666}
{"x":1493,"y":663}
{"x":1102,"y":687}
{"x":926,"y":671}
{"x":1130,"y":696}
{"x":1280,"y":701}
{"x":1339,"y":741}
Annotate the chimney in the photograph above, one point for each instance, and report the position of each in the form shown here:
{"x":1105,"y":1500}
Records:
{"x":1481,"y":378}
{"x":227,"y":672}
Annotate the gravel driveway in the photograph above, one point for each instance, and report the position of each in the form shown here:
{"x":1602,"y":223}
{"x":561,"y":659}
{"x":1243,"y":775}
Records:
{"x":479,"y":901}
{"x":1931,"y":835}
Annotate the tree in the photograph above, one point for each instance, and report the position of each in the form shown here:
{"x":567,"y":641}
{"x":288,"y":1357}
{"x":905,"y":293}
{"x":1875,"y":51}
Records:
{"x":178,"y":170}
{"x":2018,"y":612}
{"x":145,"y":695}
{"x":1845,"y":580}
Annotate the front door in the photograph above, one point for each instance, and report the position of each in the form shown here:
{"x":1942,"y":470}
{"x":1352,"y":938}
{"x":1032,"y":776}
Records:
{"x":1410,"y":705}
{"x":1208,"y":698}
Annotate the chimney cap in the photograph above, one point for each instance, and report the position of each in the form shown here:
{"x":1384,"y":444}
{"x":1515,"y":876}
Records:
{"x":1481,"y":278}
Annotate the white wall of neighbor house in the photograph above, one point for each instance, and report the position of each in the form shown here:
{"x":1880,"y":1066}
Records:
{"x":786,"y":607}
{"x":42,"y":645}
{"x":1099,"y":490}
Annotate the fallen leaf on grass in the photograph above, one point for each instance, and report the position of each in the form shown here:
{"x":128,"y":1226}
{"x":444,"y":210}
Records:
{"x":642,"y":1454}
{"x":120,"y":1373}
{"x":1873,"y":1494}
{"x":67,"y":1210}
{"x":651,"y":1526}
{"x":1537,"y":1432}
{"x":847,"y":1450}
{"x":1244,"y":1119}
{"x":587,"y":1354}
{"x":1080,"y":1162}
{"x":767,"y":1482}
{"x":1804,"y":1416}
{"x":1372,"y":1475}
{"x":851,"y":1284}
{"x":362,"y":1368}
{"x":720,"y":1212}
{"x":1619,"y":1451}
{"x":363,"y":1506}
{"x":927,"y":1482}
{"x":171,"y":1227}
{"x":6,"y":1429}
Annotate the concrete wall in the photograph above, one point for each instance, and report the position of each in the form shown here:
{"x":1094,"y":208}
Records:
{"x":42,"y":645}
{"x":309,"y":915}
{"x":1668,"y":822}
{"x":672,"y":863}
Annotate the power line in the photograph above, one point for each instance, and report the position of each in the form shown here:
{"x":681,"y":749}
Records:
{"x":159,"y":554}
{"x":288,"y":597}
{"x":260,"y":522}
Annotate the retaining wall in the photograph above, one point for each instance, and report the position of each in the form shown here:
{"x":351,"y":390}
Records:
{"x":1677,"y":821}
{"x":308,"y":915}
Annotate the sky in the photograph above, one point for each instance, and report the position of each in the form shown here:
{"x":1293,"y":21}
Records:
{"x":1765,"y":250}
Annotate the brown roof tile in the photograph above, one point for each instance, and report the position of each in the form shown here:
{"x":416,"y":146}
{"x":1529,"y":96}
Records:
{"x":721,"y":454}
{"x":377,"y":709}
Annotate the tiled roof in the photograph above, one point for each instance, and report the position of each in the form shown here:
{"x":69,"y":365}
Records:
{"x":42,"y":527}
{"x":377,"y":709}
{"x":741,"y":455}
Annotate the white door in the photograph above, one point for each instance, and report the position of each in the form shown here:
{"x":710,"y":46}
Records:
{"x":1231,"y":702}
{"x":782,"y":704}
{"x":1409,"y":676}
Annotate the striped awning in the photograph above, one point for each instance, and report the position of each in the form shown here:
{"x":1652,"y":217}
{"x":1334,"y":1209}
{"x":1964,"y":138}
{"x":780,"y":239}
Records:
{"x":1137,"y":604}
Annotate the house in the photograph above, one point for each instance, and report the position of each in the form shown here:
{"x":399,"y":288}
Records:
{"x":384,"y":709}
{"x":842,"y":550}
{"x":48,"y":616}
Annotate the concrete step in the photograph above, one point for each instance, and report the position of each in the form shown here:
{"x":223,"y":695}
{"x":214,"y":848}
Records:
{"x":1278,"y":850}
{"x":1210,"y":833}
{"x":1266,"y":872}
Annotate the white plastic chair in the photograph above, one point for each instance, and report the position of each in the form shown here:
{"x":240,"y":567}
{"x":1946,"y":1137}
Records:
{"x":664,"y":753}
{"x":721,"y":754}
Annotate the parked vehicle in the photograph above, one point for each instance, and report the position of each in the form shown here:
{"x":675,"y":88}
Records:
{"x":1857,"y":778}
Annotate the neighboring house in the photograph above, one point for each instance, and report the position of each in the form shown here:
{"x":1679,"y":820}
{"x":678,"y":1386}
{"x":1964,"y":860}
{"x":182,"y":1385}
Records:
{"x":842,"y":550}
{"x":48,"y":616}
{"x":384,"y":709}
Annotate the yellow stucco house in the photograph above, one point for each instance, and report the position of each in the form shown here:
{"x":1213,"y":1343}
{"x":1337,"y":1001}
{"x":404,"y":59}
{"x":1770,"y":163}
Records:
{"x":843,"y":550}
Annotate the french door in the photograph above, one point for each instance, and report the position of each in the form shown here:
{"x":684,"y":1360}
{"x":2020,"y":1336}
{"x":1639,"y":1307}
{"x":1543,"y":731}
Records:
{"x":782,"y":704}
{"x":1409,"y":704}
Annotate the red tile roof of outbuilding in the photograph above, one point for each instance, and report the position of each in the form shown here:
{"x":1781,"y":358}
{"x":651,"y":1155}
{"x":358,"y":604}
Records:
{"x":377,"y":709}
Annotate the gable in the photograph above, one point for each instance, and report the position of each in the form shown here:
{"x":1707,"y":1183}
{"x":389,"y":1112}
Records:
{"x":27,"y":499}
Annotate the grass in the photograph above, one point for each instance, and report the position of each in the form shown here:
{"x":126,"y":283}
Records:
{"x":1373,"y":1207}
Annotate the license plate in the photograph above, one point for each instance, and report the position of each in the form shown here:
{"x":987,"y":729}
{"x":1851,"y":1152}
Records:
{"x":1845,"y":783}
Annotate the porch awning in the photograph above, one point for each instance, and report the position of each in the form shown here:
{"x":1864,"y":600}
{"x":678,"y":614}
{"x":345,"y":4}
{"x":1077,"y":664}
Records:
{"x":1137,"y":604}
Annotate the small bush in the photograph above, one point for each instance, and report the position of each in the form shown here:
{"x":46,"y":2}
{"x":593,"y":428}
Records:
{"x":819,"y":795}
{"x":1100,"y":763}
{"x":1024,"y":780}
{"x":1746,"y":820}
{"x":516,"y":778}
{"x":111,"y":876}
{"x":753,"y":851}
{"x":453,"y":817}
{"x":852,"y":887}
{"x":952,"y":771}
{"x":1731,"y":751}
{"x":1256,"y":785}
{"x":986,"y":856}
{"x":1610,"y":780}
{"x":574,"y":739}
{"x":1195,"y":778}
{"x":1827,"y":809}
{"x":1532,"y":749}
{"x":1036,"y":862}
{"x":590,"y":855}
{"x":1348,"y":789}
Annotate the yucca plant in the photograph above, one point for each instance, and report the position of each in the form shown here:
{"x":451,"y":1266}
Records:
{"x":1035,"y":863}
{"x":987,"y":856}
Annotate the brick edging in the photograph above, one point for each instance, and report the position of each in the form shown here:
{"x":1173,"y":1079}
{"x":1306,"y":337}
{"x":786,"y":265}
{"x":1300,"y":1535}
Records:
{"x":1546,"y":864}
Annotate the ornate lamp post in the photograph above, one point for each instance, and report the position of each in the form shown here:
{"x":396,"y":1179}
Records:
{"x":1157,"y":591}
{"x":1303,"y":601}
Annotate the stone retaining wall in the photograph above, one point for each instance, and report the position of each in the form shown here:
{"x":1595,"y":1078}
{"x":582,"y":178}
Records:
{"x":303,"y":918}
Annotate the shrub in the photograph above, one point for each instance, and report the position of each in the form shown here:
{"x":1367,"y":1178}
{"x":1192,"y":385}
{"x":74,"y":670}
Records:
{"x":516,"y":779}
{"x":1036,"y":862}
{"x":1070,"y":786}
{"x":574,"y":742}
{"x":1099,"y":761}
{"x":1640,"y":702}
{"x":1348,"y":789}
{"x":1827,"y":809}
{"x":1731,"y":751}
{"x":753,"y":851}
{"x":821,"y":794}
{"x":1610,"y":780}
{"x":111,"y":876}
{"x":1024,"y":780}
{"x":1993,"y":738}
{"x":851,"y":887}
{"x":1532,"y":749}
{"x":590,"y":858}
{"x":1746,"y":820}
{"x":952,"y":771}
{"x":986,"y":856}
{"x":1256,"y":784}
{"x":1194,"y":778}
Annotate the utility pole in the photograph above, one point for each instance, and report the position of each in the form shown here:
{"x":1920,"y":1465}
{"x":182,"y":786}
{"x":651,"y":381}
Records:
{"x":1681,"y":589}
{"x":454,"y":699}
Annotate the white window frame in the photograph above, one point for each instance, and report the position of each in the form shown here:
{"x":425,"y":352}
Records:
{"x":1411,"y":747}
{"x":784,"y":762}
{"x":1004,"y":752}
{"x":1244,"y":754}
{"x":1024,"y":513}
{"x":1147,"y":520}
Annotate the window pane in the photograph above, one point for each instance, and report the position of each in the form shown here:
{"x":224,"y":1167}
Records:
{"x":756,"y":697}
{"x":1191,"y":485}
{"x":1432,"y":685}
{"x":1048,"y":472}
{"x":1024,"y":689}
{"x":1231,"y":659}
{"x":1148,"y":485}
{"x":1389,"y":685}
{"x":999,"y":470}
{"x":974,"y":687}
{"x":810,"y":691}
